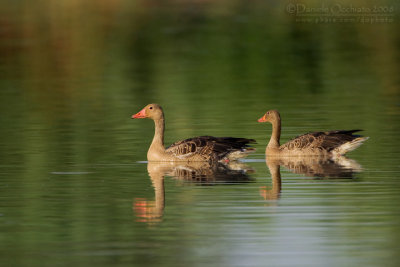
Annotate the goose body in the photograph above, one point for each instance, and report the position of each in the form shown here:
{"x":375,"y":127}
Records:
{"x":201,"y":148}
{"x":331,"y":143}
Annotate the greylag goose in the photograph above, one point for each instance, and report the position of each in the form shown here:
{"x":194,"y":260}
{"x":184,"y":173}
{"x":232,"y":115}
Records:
{"x":202,"y":148}
{"x":332,"y":143}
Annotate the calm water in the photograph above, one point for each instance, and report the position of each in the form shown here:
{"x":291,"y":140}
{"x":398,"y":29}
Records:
{"x":74,"y":185}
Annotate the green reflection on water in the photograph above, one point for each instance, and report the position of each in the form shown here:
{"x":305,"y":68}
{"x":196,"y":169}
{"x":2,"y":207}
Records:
{"x":72,"y":74}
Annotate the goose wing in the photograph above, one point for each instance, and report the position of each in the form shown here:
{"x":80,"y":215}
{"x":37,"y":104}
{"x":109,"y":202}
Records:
{"x":208,"y":147}
{"x":321,"y":140}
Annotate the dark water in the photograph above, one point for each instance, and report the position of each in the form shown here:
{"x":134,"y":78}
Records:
{"x":73,"y":185}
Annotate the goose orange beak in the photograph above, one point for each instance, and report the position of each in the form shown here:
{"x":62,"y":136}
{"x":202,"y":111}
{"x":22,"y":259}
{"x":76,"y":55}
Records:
{"x":262,"y":119}
{"x":140,"y":115}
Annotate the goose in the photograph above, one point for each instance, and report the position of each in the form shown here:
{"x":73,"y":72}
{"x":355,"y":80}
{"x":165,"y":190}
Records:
{"x":331,"y":143}
{"x":201,"y":148}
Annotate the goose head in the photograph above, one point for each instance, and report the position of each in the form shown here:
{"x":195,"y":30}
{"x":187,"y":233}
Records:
{"x":270,"y":116}
{"x":151,"y":111}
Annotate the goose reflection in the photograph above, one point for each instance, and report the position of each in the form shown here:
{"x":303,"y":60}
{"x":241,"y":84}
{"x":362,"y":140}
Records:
{"x":202,"y":173}
{"x":317,"y":167}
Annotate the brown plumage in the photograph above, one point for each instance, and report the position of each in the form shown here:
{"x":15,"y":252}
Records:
{"x":316,"y":143}
{"x":210,"y":147}
{"x":202,"y":148}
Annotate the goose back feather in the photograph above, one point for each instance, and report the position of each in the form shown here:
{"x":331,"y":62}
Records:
{"x":326,"y":141}
{"x":209,"y":147}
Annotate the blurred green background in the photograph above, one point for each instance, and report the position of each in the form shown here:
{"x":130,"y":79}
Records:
{"x":94,"y":63}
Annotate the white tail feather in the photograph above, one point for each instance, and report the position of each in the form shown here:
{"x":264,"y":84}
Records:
{"x":349,"y":146}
